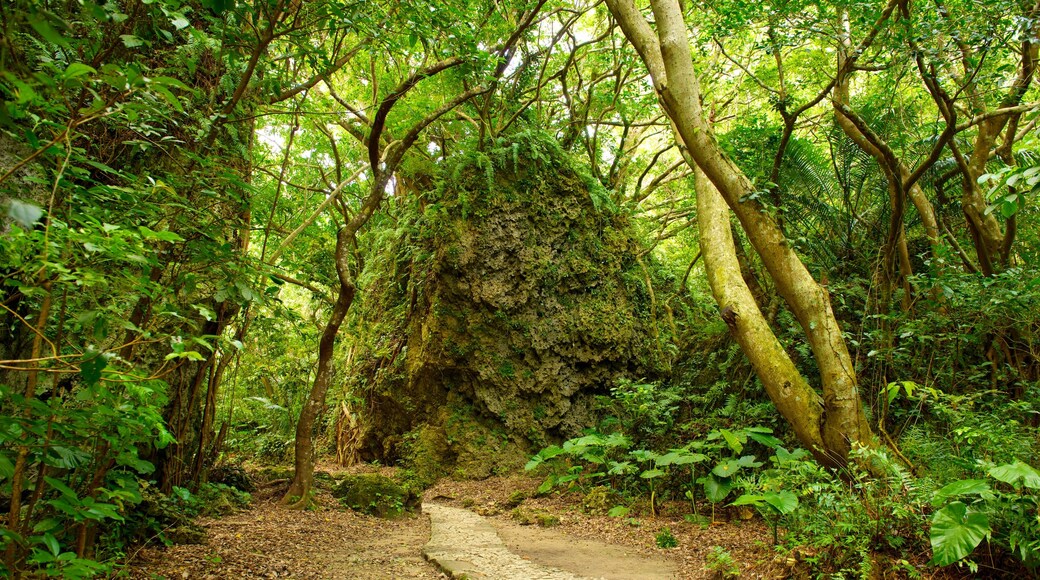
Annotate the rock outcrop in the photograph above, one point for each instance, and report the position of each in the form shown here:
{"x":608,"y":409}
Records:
{"x":524,"y":301}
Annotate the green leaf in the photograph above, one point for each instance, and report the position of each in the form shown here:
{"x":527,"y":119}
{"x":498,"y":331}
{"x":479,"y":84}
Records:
{"x":165,"y":236}
{"x":764,"y":439}
{"x":543,"y":456}
{"x":962,"y":487}
{"x":651,"y":473}
{"x":6,"y":467}
{"x":61,"y":487}
{"x":1012,"y":472}
{"x":667,"y":459}
{"x":1008,"y":209}
{"x":100,"y":511}
{"x":131,"y":41}
{"x":618,"y":511}
{"x":716,"y":488}
{"x":748,"y":461}
{"x":748,"y":499}
{"x":955,"y":533}
{"x":727,"y":468}
{"x":179,"y":21}
{"x":48,"y":525}
{"x":78,"y":69}
{"x":188,"y":354}
{"x":643,"y":455}
{"x":39,"y":23}
{"x":732,"y":440}
{"x":169,"y":98}
{"x":784,"y":502}
{"x":52,"y":544}
{"x":170,"y":82}
{"x":620,"y":468}
{"x":783,"y":456}
{"x":219,"y":6}
{"x":91,"y":366}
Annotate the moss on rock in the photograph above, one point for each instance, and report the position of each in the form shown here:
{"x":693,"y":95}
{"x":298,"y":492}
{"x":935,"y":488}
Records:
{"x":375,"y":495}
{"x":522,"y":301}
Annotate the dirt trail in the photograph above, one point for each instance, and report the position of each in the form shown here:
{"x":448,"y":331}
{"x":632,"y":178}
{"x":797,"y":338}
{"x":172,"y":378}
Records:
{"x":270,"y":541}
{"x":465,"y":544}
{"x":581,"y":555}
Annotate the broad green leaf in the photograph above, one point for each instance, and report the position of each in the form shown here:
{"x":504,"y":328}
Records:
{"x":38,"y":21}
{"x":679,"y":457}
{"x":67,"y":457}
{"x":6,"y":467}
{"x":1012,"y":472}
{"x":179,"y":21}
{"x":52,"y":544}
{"x":170,"y":82}
{"x":732,"y":440}
{"x":716,"y":488}
{"x":47,"y":525}
{"x":165,"y":236}
{"x":643,"y":455}
{"x":764,"y":439}
{"x":748,"y":499}
{"x":131,"y":41}
{"x":542,"y":456}
{"x":78,"y":69}
{"x":748,"y":461}
{"x":688,"y":458}
{"x":169,"y":98}
{"x":618,"y":511}
{"x":61,"y":487}
{"x":100,"y":511}
{"x":188,"y":354}
{"x":620,"y":468}
{"x":784,"y":502}
{"x":727,"y":468}
{"x":651,"y":473}
{"x":955,"y":533}
{"x":783,"y":456}
{"x":219,"y":6}
{"x":961,"y":487}
{"x":667,"y":459}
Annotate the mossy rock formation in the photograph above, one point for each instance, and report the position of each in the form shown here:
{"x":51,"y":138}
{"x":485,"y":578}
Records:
{"x":375,"y":495}
{"x":524,"y":301}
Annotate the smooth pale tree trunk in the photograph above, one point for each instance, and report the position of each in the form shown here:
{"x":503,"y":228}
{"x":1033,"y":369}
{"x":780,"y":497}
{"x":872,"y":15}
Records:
{"x":794,"y":398}
{"x":666,"y":54}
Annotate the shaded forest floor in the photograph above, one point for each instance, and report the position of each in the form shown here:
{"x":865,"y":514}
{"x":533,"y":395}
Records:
{"x":268,"y":540}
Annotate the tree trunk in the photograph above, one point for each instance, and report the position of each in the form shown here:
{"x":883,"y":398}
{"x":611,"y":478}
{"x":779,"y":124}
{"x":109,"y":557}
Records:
{"x":299,"y":493}
{"x":667,"y":56}
{"x":786,"y":387}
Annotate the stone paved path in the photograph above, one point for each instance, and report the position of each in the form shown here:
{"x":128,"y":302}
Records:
{"x":464,"y":545}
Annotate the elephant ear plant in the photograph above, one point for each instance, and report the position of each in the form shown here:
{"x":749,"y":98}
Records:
{"x":773,"y":506}
{"x":1003,"y":511}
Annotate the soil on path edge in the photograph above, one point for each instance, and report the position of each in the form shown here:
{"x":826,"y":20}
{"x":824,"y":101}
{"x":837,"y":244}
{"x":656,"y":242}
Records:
{"x":271,"y":541}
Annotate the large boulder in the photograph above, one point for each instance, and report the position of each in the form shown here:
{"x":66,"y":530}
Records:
{"x":523,"y":300}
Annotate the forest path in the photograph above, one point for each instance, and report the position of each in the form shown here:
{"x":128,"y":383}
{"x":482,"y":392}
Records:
{"x":466,"y":545}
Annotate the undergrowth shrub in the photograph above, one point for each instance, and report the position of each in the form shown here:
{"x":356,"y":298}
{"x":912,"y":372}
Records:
{"x":846,"y":517}
{"x":170,"y":519}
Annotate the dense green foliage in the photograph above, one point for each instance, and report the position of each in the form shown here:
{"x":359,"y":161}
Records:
{"x":174,"y":176}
